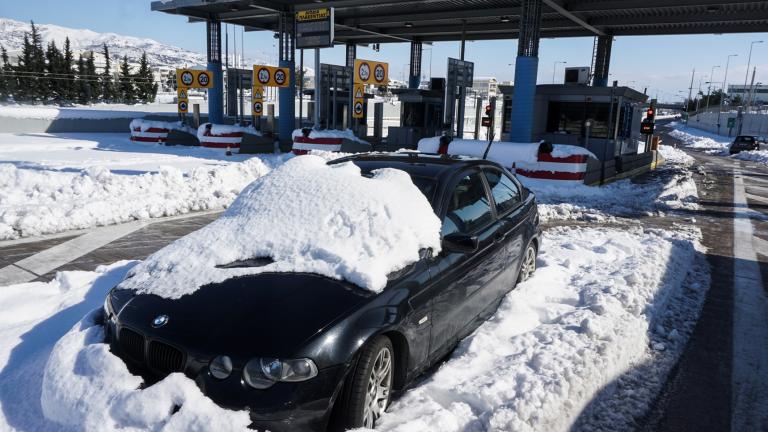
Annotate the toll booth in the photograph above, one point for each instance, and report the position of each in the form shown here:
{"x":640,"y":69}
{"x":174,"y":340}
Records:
{"x":335,"y":98}
{"x":421,"y":115}
{"x":583,"y":116}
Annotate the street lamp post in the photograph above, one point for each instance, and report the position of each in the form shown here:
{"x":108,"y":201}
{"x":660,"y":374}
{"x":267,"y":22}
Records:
{"x":723,"y":90}
{"x":749,"y":63}
{"x":554,"y":69}
{"x":709,"y":89}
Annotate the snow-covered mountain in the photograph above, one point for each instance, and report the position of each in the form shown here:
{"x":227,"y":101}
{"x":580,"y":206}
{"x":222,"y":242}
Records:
{"x":83,"y":40}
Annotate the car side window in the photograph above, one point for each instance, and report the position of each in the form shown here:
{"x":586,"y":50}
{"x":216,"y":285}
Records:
{"x":505,"y":192}
{"x":469,"y":208}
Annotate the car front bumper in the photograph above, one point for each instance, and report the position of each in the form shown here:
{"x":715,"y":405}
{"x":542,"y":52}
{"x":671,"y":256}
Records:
{"x":286,"y":406}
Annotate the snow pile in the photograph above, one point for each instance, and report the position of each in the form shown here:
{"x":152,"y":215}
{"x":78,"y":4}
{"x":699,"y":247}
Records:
{"x":329,"y":133}
{"x":675,"y":156}
{"x":308,"y":217}
{"x":145,"y":125}
{"x":760,"y":156}
{"x":51,"y":113}
{"x":699,"y":139}
{"x":558,"y":340}
{"x":35,"y":202}
{"x":87,"y":388}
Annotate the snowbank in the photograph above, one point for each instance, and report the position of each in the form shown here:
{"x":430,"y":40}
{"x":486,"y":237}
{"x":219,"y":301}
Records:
{"x":308,"y":217}
{"x":42,"y":112}
{"x":87,"y":388}
{"x":557,"y":340}
{"x":760,"y":156}
{"x":699,"y":139}
{"x":39,"y":201}
{"x":329,"y":133}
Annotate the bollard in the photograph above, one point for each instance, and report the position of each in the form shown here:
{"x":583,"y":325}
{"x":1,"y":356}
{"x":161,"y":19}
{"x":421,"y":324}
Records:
{"x":196,"y":115}
{"x":271,"y":117}
{"x":229,"y":152}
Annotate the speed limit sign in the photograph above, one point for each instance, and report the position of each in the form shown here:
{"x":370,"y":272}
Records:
{"x":263,"y":76}
{"x":379,"y":73}
{"x":187,"y":78}
{"x":203,"y":79}
{"x":280,"y":77}
{"x":364,"y":72}
{"x":370,"y":72}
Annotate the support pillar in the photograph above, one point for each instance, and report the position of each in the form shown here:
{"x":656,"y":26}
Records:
{"x":601,"y":60}
{"x":287,"y":95}
{"x":526,"y":68}
{"x":351,"y":56}
{"x":216,"y":92}
{"x":414,"y":76}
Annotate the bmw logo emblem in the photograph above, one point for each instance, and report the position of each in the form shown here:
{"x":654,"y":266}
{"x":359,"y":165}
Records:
{"x":160,"y":321}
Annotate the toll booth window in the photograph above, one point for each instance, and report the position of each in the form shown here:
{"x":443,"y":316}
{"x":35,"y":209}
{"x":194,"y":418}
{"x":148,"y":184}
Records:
{"x":569,"y":118}
{"x":413,"y":115}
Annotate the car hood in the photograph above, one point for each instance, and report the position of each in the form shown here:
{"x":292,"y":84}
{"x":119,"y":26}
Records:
{"x":268,"y":314}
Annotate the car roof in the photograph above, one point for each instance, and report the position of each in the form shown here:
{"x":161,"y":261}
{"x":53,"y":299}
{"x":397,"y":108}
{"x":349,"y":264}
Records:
{"x":428,"y":165}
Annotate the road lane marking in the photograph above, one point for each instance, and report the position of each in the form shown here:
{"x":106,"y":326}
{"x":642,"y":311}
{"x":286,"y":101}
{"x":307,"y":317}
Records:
{"x":757,"y":198}
{"x":749,"y":378}
{"x":52,"y":258}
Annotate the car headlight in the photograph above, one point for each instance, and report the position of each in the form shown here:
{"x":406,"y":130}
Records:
{"x":262,"y":373}
{"x":108,"y":310}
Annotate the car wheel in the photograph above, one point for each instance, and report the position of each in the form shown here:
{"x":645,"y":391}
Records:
{"x":528,"y":267}
{"x":369,"y":385}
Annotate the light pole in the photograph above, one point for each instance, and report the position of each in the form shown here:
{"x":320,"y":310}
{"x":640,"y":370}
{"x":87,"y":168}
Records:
{"x":723,"y":90}
{"x":554,"y":69}
{"x":709,"y":89}
{"x":746,"y":77}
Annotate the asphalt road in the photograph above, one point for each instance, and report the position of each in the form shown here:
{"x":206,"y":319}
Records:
{"x":721,"y":380}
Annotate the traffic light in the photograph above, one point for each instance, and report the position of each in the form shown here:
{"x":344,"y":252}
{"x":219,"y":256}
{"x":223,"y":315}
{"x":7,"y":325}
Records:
{"x":650,"y":114}
{"x":487,"y":110}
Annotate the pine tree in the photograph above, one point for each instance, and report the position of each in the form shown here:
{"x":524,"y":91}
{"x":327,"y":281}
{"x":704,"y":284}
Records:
{"x":5,"y":77}
{"x":54,"y":61}
{"x":23,"y":70}
{"x":146,"y":88}
{"x":125,"y":86}
{"x":81,"y":83}
{"x":93,"y":83}
{"x":107,"y":84}
{"x":38,"y":85}
{"x":69,"y":87}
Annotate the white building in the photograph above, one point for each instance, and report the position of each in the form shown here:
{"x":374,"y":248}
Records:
{"x":485,"y":86}
{"x":760,"y":97}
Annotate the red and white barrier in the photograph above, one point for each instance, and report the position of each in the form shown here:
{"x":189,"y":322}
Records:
{"x":149,"y":131}
{"x":220,"y":136}
{"x":564,"y":168}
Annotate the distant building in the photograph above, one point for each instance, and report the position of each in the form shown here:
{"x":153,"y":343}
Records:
{"x":485,"y":86}
{"x":760,"y":96}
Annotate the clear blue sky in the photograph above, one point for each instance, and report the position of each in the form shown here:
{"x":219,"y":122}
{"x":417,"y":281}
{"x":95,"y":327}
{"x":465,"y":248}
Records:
{"x":661,"y":63}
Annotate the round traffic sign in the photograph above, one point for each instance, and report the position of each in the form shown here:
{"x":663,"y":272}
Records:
{"x":183,"y":106}
{"x":257,"y":107}
{"x":203,"y":79}
{"x":364,"y":71}
{"x":280,"y":77}
{"x":358,"y":107}
{"x":378,"y":73}
{"x":263,"y":75}
{"x":187,"y":78}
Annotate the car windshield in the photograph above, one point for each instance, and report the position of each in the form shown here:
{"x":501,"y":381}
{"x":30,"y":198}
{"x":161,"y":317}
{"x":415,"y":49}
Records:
{"x":745,"y":139}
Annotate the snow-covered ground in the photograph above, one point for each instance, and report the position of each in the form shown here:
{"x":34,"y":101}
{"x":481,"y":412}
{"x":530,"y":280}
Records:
{"x":699,"y":139}
{"x":56,"y":182}
{"x":604,"y":304}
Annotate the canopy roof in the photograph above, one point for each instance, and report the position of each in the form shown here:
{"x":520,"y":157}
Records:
{"x":379,"y":21}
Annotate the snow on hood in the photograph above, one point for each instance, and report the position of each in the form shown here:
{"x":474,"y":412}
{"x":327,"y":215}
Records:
{"x":308,"y":217}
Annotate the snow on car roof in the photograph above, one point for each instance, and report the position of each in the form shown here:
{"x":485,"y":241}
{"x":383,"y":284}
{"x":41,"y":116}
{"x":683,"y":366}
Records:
{"x":306,"y":216}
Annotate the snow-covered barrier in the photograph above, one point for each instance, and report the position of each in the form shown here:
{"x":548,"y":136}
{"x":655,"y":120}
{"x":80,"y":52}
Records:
{"x":564,"y":163}
{"x":223,"y":136}
{"x":155,"y":131}
{"x":327,"y":140}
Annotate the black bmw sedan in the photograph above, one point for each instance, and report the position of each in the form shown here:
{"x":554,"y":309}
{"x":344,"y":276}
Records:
{"x":302,"y":351}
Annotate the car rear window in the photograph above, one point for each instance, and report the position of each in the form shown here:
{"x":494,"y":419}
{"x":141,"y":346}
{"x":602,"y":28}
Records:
{"x":747,"y":139}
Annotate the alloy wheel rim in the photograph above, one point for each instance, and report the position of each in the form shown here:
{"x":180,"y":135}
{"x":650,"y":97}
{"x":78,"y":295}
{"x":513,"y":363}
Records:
{"x":378,"y":388}
{"x":529,"y":265}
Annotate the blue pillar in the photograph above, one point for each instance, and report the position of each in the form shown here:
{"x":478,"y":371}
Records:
{"x":414,"y":75}
{"x":526,"y":70}
{"x":287,"y":95}
{"x":215,"y":93}
{"x":602,"y":60}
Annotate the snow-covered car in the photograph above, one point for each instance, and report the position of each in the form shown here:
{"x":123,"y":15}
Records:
{"x":747,"y":143}
{"x":326,"y":287}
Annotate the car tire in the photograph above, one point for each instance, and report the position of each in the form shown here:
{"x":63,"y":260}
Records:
{"x":368,"y":386}
{"x":528,"y":264}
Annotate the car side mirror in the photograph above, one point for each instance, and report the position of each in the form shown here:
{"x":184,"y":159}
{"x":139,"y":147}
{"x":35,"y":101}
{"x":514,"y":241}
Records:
{"x":461,"y":243}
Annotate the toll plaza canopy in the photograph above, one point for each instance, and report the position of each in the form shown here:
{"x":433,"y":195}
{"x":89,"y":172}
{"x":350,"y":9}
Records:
{"x":379,"y":21}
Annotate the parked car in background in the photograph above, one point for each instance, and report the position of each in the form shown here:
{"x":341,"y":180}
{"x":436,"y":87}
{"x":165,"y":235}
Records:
{"x":748,"y":143}
{"x":302,"y":351}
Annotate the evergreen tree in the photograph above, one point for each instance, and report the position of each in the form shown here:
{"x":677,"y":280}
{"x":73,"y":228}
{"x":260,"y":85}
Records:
{"x":126,"y":86}
{"x":54,"y":62}
{"x":38,"y":84}
{"x":69,"y":87}
{"x":24,"y":69}
{"x":81,"y":83}
{"x":5,"y":76}
{"x":108,"y":93}
{"x":92,"y":83}
{"x":146,"y":87}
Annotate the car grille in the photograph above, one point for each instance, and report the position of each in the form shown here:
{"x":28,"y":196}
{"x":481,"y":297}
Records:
{"x":158,"y":356}
{"x":165,"y":358}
